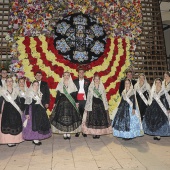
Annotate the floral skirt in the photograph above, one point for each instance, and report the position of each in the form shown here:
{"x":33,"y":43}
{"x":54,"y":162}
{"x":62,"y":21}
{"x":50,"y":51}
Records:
{"x":135,"y":127}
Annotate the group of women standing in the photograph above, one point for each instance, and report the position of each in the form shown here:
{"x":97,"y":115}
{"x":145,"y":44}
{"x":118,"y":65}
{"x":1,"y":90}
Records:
{"x":23,"y":116}
{"x":144,"y":109}
{"x":141,"y":110}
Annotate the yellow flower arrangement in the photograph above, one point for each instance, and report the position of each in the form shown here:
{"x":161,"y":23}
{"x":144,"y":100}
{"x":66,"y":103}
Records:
{"x":114,"y":99}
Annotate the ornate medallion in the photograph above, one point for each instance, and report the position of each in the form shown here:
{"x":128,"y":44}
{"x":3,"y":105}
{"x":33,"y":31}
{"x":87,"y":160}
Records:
{"x":79,"y":38}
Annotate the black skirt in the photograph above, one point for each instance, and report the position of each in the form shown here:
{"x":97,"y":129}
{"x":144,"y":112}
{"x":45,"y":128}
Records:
{"x":121,"y":121}
{"x":40,"y":121}
{"x":64,"y":116}
{"x":98,"y":118}
{"x":155,"y":118}
{"x":11,"y":122}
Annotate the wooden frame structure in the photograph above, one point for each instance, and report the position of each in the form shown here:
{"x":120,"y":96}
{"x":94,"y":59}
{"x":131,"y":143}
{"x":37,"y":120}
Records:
{"x":150,"y":55}
{"x":4,"y":48}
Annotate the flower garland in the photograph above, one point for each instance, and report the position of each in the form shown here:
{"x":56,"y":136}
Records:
{"x":36,"y":54}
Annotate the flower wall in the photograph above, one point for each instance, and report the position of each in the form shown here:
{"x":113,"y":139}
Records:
{"x":31,"y":34}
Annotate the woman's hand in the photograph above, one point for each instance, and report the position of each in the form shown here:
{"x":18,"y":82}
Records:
{"x":133,"y":111}
{"x":168,"y":111}
{"x":77,"y":105}
{"x":46,"y":106}
{"x":27,"y":117}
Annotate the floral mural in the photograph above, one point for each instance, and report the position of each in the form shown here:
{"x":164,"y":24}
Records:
{"x":34,"y":47}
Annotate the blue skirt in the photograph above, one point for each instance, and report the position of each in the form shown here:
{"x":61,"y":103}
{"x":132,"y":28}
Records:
{"x":164,"y":130}
{"x":135,"y":127}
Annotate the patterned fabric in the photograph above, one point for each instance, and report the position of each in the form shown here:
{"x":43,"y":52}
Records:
{"x":122,"y":118}
{"x":135,"y":129}
{"x":91,"y":94}
{"x":71,"y":86}
{"x":126,"y":124}
{"x":164,"y":130}
{"x":97,"y":121}
{"x":155,"y":121}
{"x":98,"y":118}
{"x":69,"y":97}
{"x":79,"y":38}
{"x":64,"y":116}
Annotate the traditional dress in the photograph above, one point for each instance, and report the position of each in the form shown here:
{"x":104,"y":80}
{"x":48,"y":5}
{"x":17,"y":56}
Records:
{"x":122,"y":85}
{"x":10,"y":117}
{"x":22,"y":96}
{"x":142,"y":96}
{"x":166,"y":86}
{"x":126,"y":124}
{"x":65,"y":117}
{"x":96,"y":120}
{"x":157,"y":121}
{"x":37,"y":127}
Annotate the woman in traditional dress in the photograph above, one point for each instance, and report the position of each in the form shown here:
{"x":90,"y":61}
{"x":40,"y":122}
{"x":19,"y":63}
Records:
{"x":142,"y":90}
{"x":156,"y":121}
{"x":127,"y":121}
{"x":65,"y":117}
{"x":166,"y":82}
{"x":22,"y":88}
{"x":10,"y":117}
{"x":36,"y":123}
{"x":96,"y":120}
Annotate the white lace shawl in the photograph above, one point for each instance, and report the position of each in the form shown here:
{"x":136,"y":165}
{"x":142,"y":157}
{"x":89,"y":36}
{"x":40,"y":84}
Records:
{"x":22,"y":93}
{"x":90,"y":94}
{"x":71,"y":86}
{"x":145,"y":87}
{"x":129,"y":93}
{"x":4,"y":92}
{"x":166,"y":87}
{"x":10,"y":97}
{"x":161,"y":92}
{"x":31,"y":94}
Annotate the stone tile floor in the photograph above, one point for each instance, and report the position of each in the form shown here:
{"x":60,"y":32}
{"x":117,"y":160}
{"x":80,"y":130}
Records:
{"x":106,"y":153}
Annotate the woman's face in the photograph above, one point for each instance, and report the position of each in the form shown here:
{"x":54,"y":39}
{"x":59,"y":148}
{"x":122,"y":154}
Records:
{"x":158,"y":83}
{"x":9,"y":82}
{"x":96,"y":80}
{"x":127,"y":84}
{"x":66,"y":76}
{"x":166,"y":77}
{"x":142,"y":79}
{"x":35,"y":86}
{"x":21,"y":83}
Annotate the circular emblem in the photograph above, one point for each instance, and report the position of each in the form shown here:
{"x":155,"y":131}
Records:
{"x":79,"y":38}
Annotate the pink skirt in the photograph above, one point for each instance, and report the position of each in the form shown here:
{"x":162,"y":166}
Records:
{"x":90,"y":131}
{"x":9,"y":139}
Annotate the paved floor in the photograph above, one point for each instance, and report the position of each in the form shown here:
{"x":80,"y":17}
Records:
{"x":106,"y":153}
